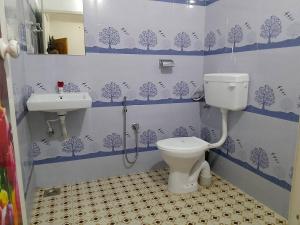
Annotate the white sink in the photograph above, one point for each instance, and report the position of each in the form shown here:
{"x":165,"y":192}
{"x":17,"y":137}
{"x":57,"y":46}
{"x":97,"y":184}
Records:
{"x":60,"y":103}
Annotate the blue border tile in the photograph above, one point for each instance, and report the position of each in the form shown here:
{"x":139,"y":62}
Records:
{"x":289,"y":116}
{"x":142,"y":102}
{"x":98,"y":104}
{"x":98,"y":154}
{"x":246,"y":48}
{"x":255,"y":47}
{"x":137,"y":51}
{"x":281,"y":183}
{"x":197,"y":2}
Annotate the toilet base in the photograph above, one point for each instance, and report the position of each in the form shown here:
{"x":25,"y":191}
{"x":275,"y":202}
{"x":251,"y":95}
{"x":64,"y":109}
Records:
{"x":181,"y":183}
{"x":184,"y":179}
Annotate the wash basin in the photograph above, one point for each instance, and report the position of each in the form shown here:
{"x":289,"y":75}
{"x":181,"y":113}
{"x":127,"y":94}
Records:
{"x":60,"y":103}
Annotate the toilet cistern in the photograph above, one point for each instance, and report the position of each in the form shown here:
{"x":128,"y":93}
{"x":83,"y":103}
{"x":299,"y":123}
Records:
{"x":186,"y":155}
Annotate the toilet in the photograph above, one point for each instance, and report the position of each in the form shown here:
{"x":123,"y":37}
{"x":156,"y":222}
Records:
{"x":185,"y":156}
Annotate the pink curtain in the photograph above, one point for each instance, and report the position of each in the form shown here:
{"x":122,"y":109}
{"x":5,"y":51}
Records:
{"x":10,"y":211}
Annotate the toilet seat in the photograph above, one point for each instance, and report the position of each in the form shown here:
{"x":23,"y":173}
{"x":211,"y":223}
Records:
{"x":183,"y":146}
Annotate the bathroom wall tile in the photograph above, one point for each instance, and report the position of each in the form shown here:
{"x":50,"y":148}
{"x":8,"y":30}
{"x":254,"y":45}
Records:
{"x":88,"y":75}
{"x":129,"y":32}
{"x":269,"y":126}
{"x":130,"y":65}
{"x":249,"y":131}
{"x":87,"y":170}
{"x":250,"y":35}
{"x":90,"y":133}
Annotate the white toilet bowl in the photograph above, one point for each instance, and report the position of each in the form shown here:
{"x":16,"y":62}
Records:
{"x":186,"y":159}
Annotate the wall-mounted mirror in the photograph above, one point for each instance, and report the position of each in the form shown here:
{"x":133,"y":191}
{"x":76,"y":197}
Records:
{"x":55,"y":27}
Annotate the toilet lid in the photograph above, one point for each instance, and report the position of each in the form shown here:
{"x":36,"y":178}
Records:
{"x":182,"y":144}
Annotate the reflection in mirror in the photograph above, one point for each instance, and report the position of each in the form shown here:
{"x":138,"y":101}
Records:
{"x":55,"y":27}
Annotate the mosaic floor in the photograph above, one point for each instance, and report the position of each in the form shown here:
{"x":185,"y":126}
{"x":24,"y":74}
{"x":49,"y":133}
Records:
{"x":143,"y":199}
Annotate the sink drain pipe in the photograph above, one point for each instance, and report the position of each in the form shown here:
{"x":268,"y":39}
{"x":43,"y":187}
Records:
{"x":62,"y":119}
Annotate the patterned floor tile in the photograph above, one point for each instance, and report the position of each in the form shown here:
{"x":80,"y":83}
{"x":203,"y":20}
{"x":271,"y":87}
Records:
{"x":143,"y":199}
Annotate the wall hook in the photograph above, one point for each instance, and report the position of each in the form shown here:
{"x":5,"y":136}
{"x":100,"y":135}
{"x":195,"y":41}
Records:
{"x":12,"y":48}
